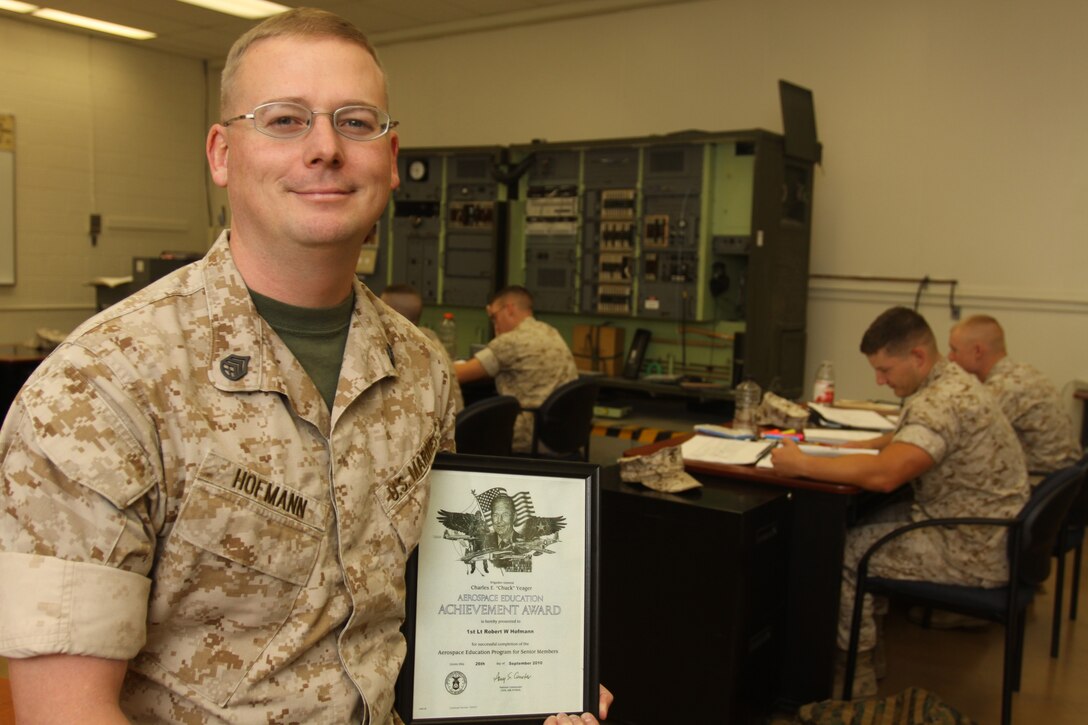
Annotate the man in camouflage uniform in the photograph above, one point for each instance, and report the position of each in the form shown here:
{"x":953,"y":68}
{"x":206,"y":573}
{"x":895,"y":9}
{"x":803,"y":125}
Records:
{"x":527,"y":358}
{"x":1026,"y":396}
{"x":405,"y":299}
{"x":952,"y":444}
{"x":209,"y":501}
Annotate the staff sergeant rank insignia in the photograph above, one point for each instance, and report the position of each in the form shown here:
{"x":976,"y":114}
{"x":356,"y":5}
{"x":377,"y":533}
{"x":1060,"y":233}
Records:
{"x":234,"y":367}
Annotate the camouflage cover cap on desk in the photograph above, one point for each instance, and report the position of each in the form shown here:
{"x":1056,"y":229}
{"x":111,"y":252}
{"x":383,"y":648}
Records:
{"x":777,"y":411}
{"x":662,"y":470}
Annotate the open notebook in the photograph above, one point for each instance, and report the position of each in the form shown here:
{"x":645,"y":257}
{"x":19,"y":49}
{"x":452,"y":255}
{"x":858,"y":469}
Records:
{"x":712,"y":449}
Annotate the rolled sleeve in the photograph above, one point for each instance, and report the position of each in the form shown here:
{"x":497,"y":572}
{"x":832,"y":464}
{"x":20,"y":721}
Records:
{"x":490,"y":361}
{"x":926,"y":439}
{"x":54,"y":606}
{"x":77,"y":533}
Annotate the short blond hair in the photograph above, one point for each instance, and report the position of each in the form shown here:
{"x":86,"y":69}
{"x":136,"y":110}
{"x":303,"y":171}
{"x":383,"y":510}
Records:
{"x":984,"y":330}
{"x":296,"y":23}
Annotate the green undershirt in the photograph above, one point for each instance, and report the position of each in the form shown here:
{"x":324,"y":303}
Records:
{"x":315,"y":335}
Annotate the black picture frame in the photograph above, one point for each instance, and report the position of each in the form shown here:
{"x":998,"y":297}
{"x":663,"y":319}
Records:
{"x":516,"y":474}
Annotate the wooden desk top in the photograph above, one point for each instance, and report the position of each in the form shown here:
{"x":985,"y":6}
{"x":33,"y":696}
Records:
{"x":745,"y":473}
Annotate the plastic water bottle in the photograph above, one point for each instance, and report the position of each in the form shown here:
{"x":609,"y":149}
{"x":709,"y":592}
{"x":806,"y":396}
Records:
{"x":746,"y":398}
{"x":447,"y":334}
{"x":823,"y":390}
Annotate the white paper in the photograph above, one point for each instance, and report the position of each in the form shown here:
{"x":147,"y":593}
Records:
{"x":848,"y":418}
{"x":834,"y":451}
{"x":833,"y":436}
{"x":828,"y":451}
{"x":712,"y":449}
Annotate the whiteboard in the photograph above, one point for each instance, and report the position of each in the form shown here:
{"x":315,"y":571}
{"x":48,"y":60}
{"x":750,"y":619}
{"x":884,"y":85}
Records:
{"x":7,"y":217}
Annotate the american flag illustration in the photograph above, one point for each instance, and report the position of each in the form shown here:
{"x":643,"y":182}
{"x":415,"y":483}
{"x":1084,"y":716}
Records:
{"x":523,"y":503}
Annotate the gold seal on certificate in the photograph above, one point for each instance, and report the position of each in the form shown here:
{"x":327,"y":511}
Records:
{"x":501,"y":615}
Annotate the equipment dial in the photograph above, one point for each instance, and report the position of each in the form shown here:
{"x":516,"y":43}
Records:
{"x":417,"y":170}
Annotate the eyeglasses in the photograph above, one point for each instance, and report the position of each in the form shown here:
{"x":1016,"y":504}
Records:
{"x":290,"y":120}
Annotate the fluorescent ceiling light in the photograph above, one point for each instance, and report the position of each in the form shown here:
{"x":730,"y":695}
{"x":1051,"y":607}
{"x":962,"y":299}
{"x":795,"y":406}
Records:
{"x":92,"y":24}
{"x":17,"y":7}
{"x":249,"y":9}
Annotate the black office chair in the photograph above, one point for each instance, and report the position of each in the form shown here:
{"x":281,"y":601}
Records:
{"x":563,"y":422}
{"x":486,"y":427}
{"x":1070,"y":538}
{"x":1031,"y":538}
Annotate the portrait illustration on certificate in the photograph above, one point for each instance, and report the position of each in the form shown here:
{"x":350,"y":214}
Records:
{"x":503,"y":531}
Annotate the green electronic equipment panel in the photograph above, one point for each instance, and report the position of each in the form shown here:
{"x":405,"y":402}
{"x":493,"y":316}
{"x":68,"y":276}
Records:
{"x":445,"y":230}
{"x":700,"y":237}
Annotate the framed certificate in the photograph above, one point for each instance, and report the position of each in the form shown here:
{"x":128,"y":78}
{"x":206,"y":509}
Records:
{"x":501,"y":618}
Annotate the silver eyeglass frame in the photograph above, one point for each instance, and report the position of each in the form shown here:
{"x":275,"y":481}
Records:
{"x":388,"y":126}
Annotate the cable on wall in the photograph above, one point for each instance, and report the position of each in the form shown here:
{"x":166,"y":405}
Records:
{"x":922,"y":283}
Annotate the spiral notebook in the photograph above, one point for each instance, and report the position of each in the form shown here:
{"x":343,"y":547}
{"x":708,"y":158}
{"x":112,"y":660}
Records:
{"x":712,"y":449}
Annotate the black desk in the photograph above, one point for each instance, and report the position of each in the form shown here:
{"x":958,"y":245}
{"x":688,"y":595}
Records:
{"x":478,"y":390}
{"x":816,"y":518}
{"x":17,"y":362}
{"x":684,"y":398}
{"x":692,"y":601}
{"x":698,"y":391}
{"x":692,"y":397}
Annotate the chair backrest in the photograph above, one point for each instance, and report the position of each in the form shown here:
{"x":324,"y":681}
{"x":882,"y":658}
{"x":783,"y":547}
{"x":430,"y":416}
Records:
{"x":1078,"y":512}
{"x":1040,"y":521}
{"x":564,"y":420}
{"x":486,"y":427}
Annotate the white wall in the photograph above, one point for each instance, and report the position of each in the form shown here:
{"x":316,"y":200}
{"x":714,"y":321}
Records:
{"x":953,"y":144}
{"x":953,"y":139}
{"x":101,"y":127}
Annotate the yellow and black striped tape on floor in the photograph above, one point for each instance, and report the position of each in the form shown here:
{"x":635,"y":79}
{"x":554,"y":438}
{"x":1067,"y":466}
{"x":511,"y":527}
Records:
{"x":637,"y":433}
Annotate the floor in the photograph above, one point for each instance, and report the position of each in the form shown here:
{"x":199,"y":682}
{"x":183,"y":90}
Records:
{"x":963,"y":667}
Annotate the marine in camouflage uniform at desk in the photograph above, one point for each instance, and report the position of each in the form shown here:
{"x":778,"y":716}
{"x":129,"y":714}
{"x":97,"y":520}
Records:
{"x":979,"y":471}
{"x":956,"y":451}
{"x":176,"y":436}
{"x":1027,"y":397}
{"x":528,"y":362}
{"x":1031,"y":403}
